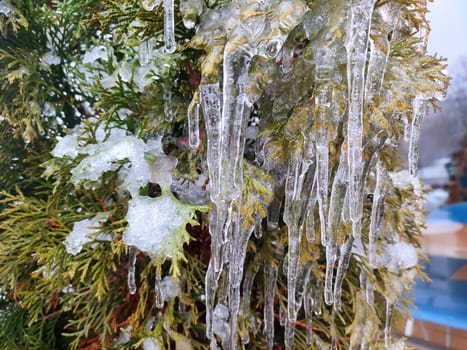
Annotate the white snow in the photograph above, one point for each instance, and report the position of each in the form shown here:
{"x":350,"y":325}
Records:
{"x":154,"y":224}
{"x":5,"y":7}
{"x":66,"y":146}
{"x":104,"y":156}
{"x":151,"y":344}
{"x":97,"y":52}
{"x":84,"y":231}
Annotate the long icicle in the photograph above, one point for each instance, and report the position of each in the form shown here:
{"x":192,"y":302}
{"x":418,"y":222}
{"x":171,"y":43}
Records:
{"x":356,"y":46}
{"x":210,"y":98}
{"x":322,"y":104}
{"x":293,"y":255}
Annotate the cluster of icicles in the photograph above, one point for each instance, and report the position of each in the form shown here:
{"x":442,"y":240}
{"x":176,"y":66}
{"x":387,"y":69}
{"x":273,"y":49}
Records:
{"x":237,"y":32}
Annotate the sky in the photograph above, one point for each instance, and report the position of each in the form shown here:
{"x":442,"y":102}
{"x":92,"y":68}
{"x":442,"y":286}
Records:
{"x":448,"y":37}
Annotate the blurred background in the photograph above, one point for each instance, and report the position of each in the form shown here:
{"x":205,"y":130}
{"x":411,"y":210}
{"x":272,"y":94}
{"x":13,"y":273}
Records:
{"x":439,"y":316}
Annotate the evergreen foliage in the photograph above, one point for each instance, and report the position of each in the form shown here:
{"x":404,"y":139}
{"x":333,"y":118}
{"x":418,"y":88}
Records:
{"x":94,"y":122}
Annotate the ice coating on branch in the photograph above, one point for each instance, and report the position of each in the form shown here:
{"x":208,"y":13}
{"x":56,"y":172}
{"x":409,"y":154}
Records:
{"x":85,"y":231}
{"x":169,"y":26}
{"x":356,"y":45}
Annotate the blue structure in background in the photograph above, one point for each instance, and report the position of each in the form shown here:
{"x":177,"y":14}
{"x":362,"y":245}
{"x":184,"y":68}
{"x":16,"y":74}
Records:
{"x":453,"y":212}
{"x":444,"y":300}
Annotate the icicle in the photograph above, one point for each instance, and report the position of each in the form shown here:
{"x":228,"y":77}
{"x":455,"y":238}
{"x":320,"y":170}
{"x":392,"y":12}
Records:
{"x":158,"y":290}
{"x":310,"y":216}
{"x":419,"y":107}
{"x":294,"y":238}
{"x":210,"y":97}
{"x":322,"y":112}
{"x":318,"y":298}
{"x":369,"y":292}
{"x":220,"y":324}
{"x":282,"y":316}
{"x":376,"y":213}
{"x":330,"y":260}
{"x":270,"y":279}
{"x":169,"y":26}
{"x":211,"y":282}
{"x":308,"y":304}
{"x":168,"y":104}
{"x":344,"y":259}
{"x":407,"y":127}
{"x":387,"y":327}
{"x":356,"y":46}
{"x":273,"y":216}
{"x":193,"y":122}
{"x":240,"y":238}
{"x":131,"y":270}
{"x":293,"y":188}
{"x":386,"y":18}
{"x":336,"y":202}
{"x":233,"y":125}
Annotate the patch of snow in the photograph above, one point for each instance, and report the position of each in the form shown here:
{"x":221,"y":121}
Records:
{"x":5,"y":7}
{"x":151,"y":344}
{"x":97,"y":52}
{"x":153,"y":224}
{"x":66,"y":146}
{"x":84,"y":231}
